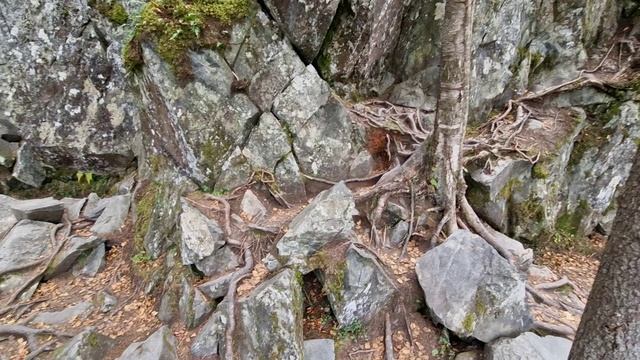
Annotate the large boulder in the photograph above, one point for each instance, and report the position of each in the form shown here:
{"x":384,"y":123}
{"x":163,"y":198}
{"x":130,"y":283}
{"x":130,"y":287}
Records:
{"x":161,"y":345}
{"x":357,"y":288}
{"x":72,"y":65}
{"x":272,"y":312}
{"x":328,"y":218}
{"x":326,"y":142}
{"x":472,"y":290}
{"x":87,"y":345}
{"x":48,"y":209}
{"x":528,"y":346}
{"x":7,"y":219}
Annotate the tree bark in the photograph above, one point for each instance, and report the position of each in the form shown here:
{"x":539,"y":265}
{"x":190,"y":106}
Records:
{"x":445,"y":151}
{"x":610,"y":326}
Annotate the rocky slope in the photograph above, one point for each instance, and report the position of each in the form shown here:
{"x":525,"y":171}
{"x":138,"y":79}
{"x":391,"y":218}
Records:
{"x":211,"y":164}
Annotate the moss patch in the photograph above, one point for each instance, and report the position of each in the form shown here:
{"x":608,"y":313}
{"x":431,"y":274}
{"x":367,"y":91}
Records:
{"x":111,"y":9}
{"x":174,"y":27}
{"x":540,"y":171}
{"x":67,"y":184}
{"x":144,"y":212}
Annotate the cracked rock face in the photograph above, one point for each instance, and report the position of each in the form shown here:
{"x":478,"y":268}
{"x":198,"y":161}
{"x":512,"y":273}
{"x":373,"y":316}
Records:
{"x":472,"y":290}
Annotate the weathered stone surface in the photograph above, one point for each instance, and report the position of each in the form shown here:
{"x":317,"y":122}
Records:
{"x":304,"y":23}
{"x":289,"y":179}
{"x":469,"y":355}
{"x":210,"y":340}
{"x":472,"y":290}
{"x":399,"y":233}
{"x":319,"y":349}
{"x":201,"y":236}
{"x":193,"y":306}
{"x":93,"y":263}
{"x":113,"y":216}
{"x":217,"y":287}
{"x":105,"y":301}
{"x":235,"y":171}
{"x":7,"y":219}
{"x":73,"y":207}
{"x":161,"y":345}
{"x":94,"y":206}
{"x":66,"y":257}
{"x":26,"y":242}
{"x":48,"y":209}
{"x":8,"y":131}
{"x":73,"y":64}
{"x":8,"y":153}
{"x":358,"y":289}
{"x":87,"y":345}
{"x":79,"y":310}
{"x":252,"y":206}
{"x":27,"y":169}
{"x":328,"y":218}
{"x":528,"y":346}
{"x":326,"y":142}
{"x":267,"y":144}
{"x":272,"y":312}
{"x":222,"y":260}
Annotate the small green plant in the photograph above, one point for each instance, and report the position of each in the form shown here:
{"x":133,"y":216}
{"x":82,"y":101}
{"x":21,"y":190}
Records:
{"x":444,"y":349}
{"x":351,"y":331}
{"x":141,"y":257}
{"x":112,"y":10}
{"x":86,"y":176}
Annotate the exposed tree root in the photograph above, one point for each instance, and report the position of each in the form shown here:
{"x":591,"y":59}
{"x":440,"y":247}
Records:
{"x":388,"y":340}
{"x":30,"y":334}
{"x":347,"y":181}
{"x":561,"y":330}
{"x":47,"y":346}
{"x":474,"y":223}
{"x":403,"y":253}
{"x":231,"y":297}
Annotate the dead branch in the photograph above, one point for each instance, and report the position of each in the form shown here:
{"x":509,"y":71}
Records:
{"x":406,"y":323}
{"x":434,"y":237}
{"x":388,"y":341}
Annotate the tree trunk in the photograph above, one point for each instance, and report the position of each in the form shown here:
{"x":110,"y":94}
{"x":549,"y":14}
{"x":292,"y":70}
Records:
{"x":445,"y":150}
{"x":610,"y":326}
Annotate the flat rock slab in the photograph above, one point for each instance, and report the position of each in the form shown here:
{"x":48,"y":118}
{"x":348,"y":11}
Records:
{"x":26,"y":242}
{"x":7,"y":219}
{"x":63,"y":316}
{"x":319,"y":349}
{"x":48,"y":209}
{"x":74,"y":207}
{"x":472,"y":290}
{"x":161,"y":345}
{"x":529,"y":346}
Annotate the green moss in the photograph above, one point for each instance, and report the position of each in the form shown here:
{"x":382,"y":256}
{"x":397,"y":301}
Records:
{"x":92,"y":340}
{"x":351,"y":331}
{"x":469,"y":322}
{"x":176,"y":26}
{"x":477,"y":196}
{"x":112,"y":10}
{"x":540,"y":171}
{"x":529,"y":210}
{"x":144,"y":212}
{"x":509,"y":188}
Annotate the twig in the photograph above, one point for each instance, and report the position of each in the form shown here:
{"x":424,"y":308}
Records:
{"x":406,"y":323}
{"x":388,"y":341}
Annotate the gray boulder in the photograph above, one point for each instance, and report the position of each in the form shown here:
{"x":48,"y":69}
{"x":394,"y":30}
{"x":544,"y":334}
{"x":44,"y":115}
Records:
{"x":289,"y":180}
{"x":161,"y":345}
{"x":27,"y":168}
{"x":7,"y":219}
{"x":472,"y":290}
{"x":252,"y":206}
{"x":305,"y":24}
{"x":222,"y":260}
{"x":94,"y":206}
{"x":326,"y":142}
{"x":81,"y":309}
{"x":90,"y":264}
{"x":319,"y":349}
{"x":272,"y":312}
{"x":48,"y":209}
{"x":358,"y":289}
{"x":267,"y":144}
{"x":328,"y":218}
{"x":67,"y":256}
{"x":87,"y":345}
{"x":73,"y":207}
{"x":193,"y":306}
{"x":210,"y":339}
{"x":528,"y":346}
{"x":113,"y":216}
{"x":200,"y":236}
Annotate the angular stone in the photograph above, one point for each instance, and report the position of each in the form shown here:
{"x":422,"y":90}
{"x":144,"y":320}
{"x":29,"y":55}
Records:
{"x":26,"y":242}
{"x":47,"y":209}
{"x":66,"y":257}
{"x":289,"y":179}
{"x":267,"y":144}
{"x":105,"y":301}
{"x":326,"y":143}
{"x":27,"y":169}
{"x":210,"y":340}
{"x":64,"y":316}
{"x":528,"y":346}
{"x":201,"y":236}
{"x":90,"y":265}
{"x":472,"y":290}
{"x":469,"y":355}
{"x":305,"y":24}
{"x":217,"y":287}
{"x":193,"y":306}
{"x":94,"y":206}
{"x":222,"y":260}
{"x":252,"y":206}
{"x":113,"y":216}
{"x":73,"y":207}
{"x":319,"y":349}
{"x":358,"y":289}
{"x":87,"y":345}
{"x":7,"y":219}
{"x":8,"y":132}
{"x":161,"y":345}
{"x":273,"y":313}
{"x":399,"y":233}
{"x":328,"y":218}
{"x":235,"y":172}
{"x":8,"y":153}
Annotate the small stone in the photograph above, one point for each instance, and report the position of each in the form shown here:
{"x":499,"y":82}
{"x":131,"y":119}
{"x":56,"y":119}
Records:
{"x":106,"y":301}
{"x":73,"y":248}
{"x":27,"y":169}
{"x":90,"y":265}
{"x":60,"y":317}
{"x":528,"y":346}
{"x":252,"y":206}
{"x":87,"y":345}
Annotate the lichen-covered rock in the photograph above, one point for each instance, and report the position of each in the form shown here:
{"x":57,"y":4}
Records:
{"x":113,"y":216}
{"x":66,"y":257}
{"x":193,"y":306}
{"x":87,"y":345}
{"x":47,"y":209}
{"x":289,"y":180}
{"x":328,"y":218}
{"x":222,"y":260}
{"x":325,"y":141}
{"x":267,"y":144}
{"x":252,"y":207}
{"x":8,"y":153}
{"x":304,"y":23}
{"x":358,"y":289}
{"x":27,"y":169}
{"x":472,"y":290}
{"x":210,"y":340}
{"x":161,"y":345}
{"x":272,"y":314}
{"x":200,"y":236}
{"x":528,"y":346}
{"x":72,"y":63}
